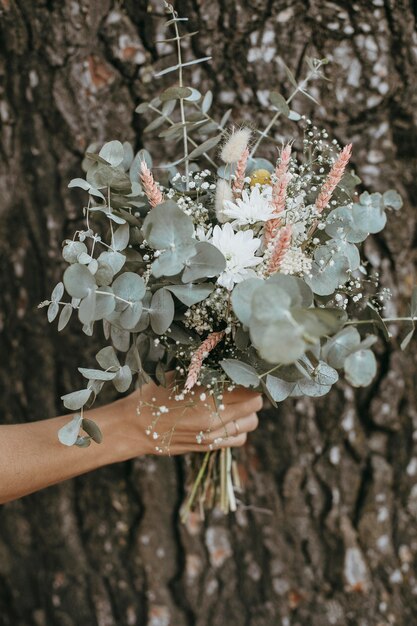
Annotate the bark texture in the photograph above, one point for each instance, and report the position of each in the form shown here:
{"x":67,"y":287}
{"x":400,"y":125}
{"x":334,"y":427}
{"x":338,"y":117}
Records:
{"x":329,"y":533}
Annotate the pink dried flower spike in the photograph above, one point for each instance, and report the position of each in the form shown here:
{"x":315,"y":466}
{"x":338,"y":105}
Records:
{"x":150,"y":187}
{"x":333,"y":178}
{"x":281,"y":245}
{"x":279,"y":192}
{"x":240,"y":173}
{"x":198,"y":357}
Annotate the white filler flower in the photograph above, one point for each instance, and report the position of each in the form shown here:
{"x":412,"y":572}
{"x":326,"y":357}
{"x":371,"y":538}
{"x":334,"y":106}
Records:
{"x":253,"y":208}
{"x":239,"y":249}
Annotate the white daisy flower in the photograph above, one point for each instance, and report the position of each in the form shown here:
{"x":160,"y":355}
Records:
{"x":250,"y":209}
{"x":239,"y":249}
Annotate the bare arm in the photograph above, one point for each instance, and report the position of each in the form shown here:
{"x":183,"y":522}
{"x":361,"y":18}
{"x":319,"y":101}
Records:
{"x":31,"y":457}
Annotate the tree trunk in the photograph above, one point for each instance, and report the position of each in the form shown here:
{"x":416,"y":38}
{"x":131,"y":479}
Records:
{"x":328,"y":531}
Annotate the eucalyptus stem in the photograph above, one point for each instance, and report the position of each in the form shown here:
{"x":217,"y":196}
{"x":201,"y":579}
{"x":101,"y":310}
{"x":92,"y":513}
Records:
{"x":104,"y":293}
{"x":383,"y":319}
{"x":182,"y":110}
{"x":299,"y":88}
{"x":190,"y":139}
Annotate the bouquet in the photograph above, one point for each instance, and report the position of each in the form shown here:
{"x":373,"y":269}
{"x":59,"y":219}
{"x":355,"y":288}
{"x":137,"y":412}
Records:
{"x":223,"y":266}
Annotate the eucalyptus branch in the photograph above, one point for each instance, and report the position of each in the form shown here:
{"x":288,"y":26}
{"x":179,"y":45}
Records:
{"x":190,"y":139}
{"x":383,"y":319}
{"x":300,"y":88}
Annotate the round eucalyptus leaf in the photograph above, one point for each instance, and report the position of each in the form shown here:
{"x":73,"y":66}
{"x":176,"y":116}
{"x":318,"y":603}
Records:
{"x":114,"y":259}
{"x":310,"y":387}
{"x":240,"y":373}
{"x":270,"y":303}
{"x":76,"y":399}
{"x":128,"y":155}
{"x":279,"y":389}
{"x":120,"y":338}
{"x":300,"y":294}
{"x":107,"y":358}
{"x":325,"y":278}
{"x":123,"y":379}
{"x":279,"y":341}
{"x":87,"y":308}
{"x":121,"y":237}
{"x":207,"y":262}
{"x":340,"y":225}
{"x":166,"y":226}
{"x":392,"y":198}
{"x":92,"y":429}
{"x":171,"y":262}
{"x":242,"y":296}
{"x":131,"y":315}
{"x":318,"y":322}
{"x":191,"y":294}
{"x":368,"y":217}
{"x":360,"y":368}
{"x":78,"y":280}
{"x":93,"y":374}
{"x":104,"y":274}
{"x":162,"y":311}
{"x":68,"y":434}
{"x":105,"y":303}
{"x":72,"y":251}
{"x":129,"y":286}
{"x":337,"y":348}
{"x":112,"y":152}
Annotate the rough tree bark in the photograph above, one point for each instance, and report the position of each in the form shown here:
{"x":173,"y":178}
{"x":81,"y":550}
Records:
{"x":329,"y":534}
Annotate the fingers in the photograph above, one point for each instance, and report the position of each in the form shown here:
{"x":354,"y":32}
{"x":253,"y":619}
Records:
{"x":229,"y":442}
{"x":240,"y":394}
{"x":234,"y":428}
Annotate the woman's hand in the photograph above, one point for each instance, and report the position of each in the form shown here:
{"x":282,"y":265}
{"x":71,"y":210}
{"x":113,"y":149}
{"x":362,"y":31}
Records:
{"x":161,"y":424}
{"x":32,"y":458}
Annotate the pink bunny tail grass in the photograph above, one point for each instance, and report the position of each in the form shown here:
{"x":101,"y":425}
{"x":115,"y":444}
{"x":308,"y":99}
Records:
{"x":279,"y":193}
{"x":198,"y":357}
{"x":150,"y":187}
{"x":333,"y":178}
{"x":281,"y":245}
{"x":240,"y":173}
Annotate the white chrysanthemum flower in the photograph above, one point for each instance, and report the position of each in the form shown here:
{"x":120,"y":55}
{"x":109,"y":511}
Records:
{"x":239,"y":250}
{"x":203,"y":233}
{"x":250,"y":209}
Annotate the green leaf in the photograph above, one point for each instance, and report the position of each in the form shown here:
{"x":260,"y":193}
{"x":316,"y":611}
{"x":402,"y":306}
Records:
{"x":205,"y":147}
{"x":121,"y":237}
{"x":175,"y":93}
{"x":207,"y":262}
{"x":129,"y":286}
{"x":112,"y":152}
{"x":241,"y":373}
{"x":207,"y":102}
{"x":68,"y":434}
{"x":300,"y":294}
{"x":279,"y":389}
{"x":78,"y":280}
{"x":53,"y":310}
{"x":76,"y":399}
{"x":93,"y":374}
{"x":105,"y":304}
{"x":318,"y":322}
{"x":341,"y":225}
{"x":166,"y":226}
{"x":340,"y":346}
{"x":242,"y":296}
{"x":378,"y":321}
{"x":369,"y":215}
{"x":360,"y":368}
{"x":87,"y":308}
{"x":191,"y":294}
{"x":326,"y":277}
{"x":107,"y":358}
{"x":64,"y":316}
{"x":392,"y":198}
{"x":123,"y":379}
{"x":162,"y":311}
{"x":279,"y":103}
{"x":171,"y":262}
{"x":92,"y":429}
{"x":72,"y":251}
{"x":115,"y":260}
